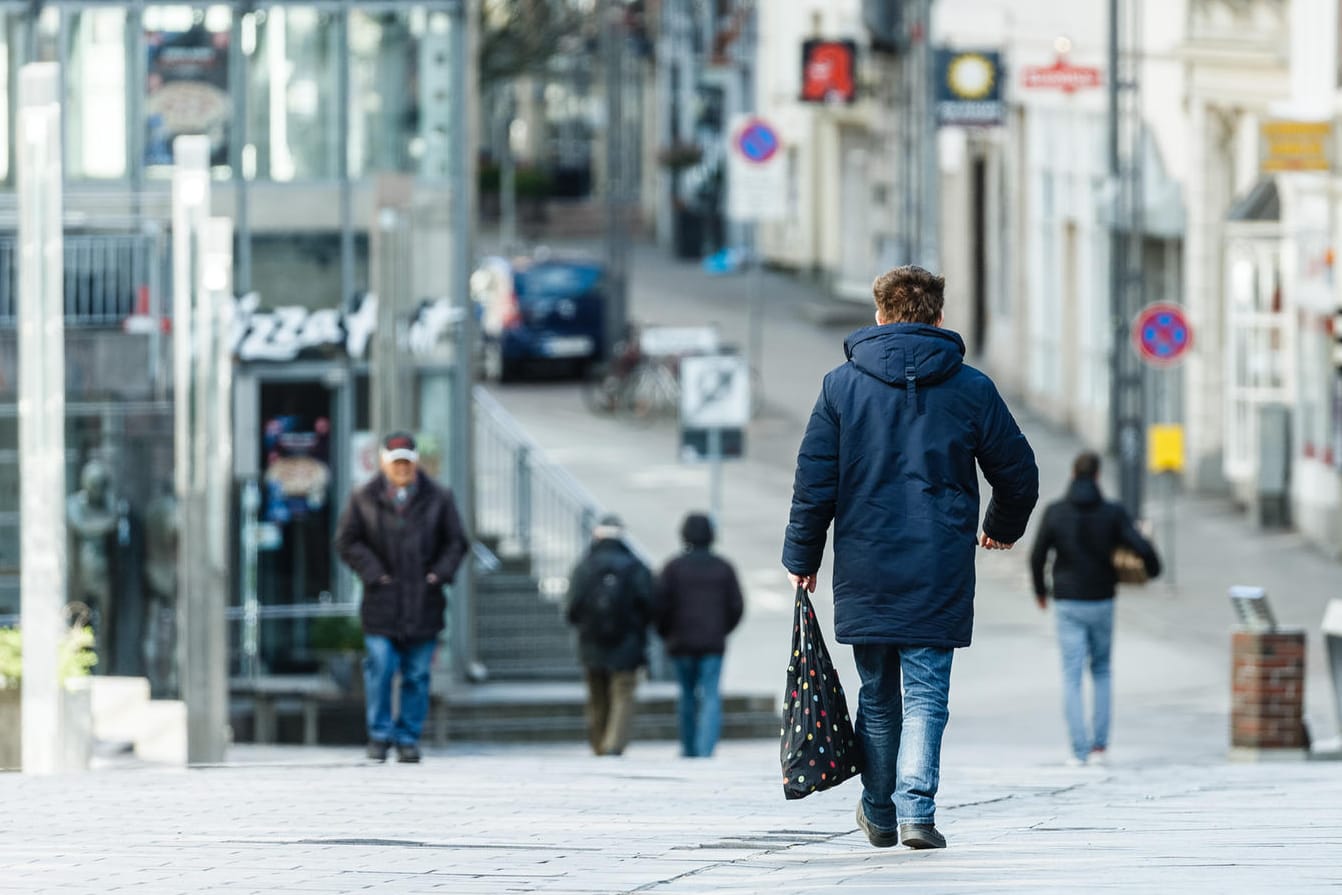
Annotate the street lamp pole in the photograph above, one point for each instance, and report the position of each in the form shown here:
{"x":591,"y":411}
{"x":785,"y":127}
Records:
{"x":41,"y":349}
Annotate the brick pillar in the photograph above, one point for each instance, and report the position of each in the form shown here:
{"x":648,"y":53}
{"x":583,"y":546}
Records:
{"x":1268,"y":688}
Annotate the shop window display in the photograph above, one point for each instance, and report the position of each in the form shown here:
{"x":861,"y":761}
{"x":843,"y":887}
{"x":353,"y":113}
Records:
{"x":186,"y":81}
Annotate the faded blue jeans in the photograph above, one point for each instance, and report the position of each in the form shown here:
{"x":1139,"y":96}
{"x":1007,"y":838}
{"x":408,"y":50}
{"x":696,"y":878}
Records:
{"x":1085,"y":633}
{"x":383,"y":657}
{"x":899,"y":727}
{"x":700,"y":703}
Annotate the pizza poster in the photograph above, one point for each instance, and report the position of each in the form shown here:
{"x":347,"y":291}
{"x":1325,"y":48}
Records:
{"x":298,"y":471}
{"x":186,"y":92}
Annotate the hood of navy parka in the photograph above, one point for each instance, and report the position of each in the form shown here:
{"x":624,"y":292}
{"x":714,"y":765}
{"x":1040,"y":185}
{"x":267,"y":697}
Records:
{"x":891,"y":457}
{"x":895,"y":351}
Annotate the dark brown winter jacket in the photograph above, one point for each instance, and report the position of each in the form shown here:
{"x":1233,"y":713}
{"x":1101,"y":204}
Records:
{"x":378,"y":543}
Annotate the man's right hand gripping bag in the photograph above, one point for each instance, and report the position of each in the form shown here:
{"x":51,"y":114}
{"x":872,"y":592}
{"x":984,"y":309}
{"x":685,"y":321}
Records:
{"x":819,"y":749}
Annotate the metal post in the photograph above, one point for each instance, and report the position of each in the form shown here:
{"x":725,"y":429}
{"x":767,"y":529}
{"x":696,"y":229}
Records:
{"x":191,"y":368}
{"x":1126,"y":283}
{"x":617,"y":230}
{"x":715,"y":475}
{"x":251,"y":607}
{"x":929,"y":193}
{"x":41,"y":349}
{"x":755,"y":361}
{"x":507,"y":173}
{"x":462,"y":463}
{"x":205,"y":674}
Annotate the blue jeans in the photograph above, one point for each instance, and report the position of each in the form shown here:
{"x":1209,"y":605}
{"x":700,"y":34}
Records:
{"x":899,"y":730}
{"x":1085,"y":631}
{"x":383,"y":657}
{"x":700,"y":703}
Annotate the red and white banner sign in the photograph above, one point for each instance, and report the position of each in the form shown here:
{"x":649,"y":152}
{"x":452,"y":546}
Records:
{"x":1062,"y":76}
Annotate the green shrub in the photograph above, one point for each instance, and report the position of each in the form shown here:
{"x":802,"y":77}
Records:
{"x":336,"y":633}
{"x":76,"y":657}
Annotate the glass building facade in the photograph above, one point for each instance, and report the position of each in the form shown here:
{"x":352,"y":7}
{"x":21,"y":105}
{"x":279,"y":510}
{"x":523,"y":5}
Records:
{"x":319,"y":114}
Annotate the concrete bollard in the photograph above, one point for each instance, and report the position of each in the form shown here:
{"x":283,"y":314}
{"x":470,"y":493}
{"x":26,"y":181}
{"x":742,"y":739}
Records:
{"x":1267,"y":719}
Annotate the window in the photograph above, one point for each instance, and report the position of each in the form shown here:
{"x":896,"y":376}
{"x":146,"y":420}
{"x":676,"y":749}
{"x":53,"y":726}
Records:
{"x":400,"y":92}
{"x":95,"y":90}
{"x":292,"y":122}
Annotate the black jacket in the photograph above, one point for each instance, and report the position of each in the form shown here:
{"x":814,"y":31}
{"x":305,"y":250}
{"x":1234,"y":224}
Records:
{"x":697,"y":603}
{"x":1081,"y":531}
{"x":891,"y":456}
{"x":375,"y":541}
{"x":630,"y":652}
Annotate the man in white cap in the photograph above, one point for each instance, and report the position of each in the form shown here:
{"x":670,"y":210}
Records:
{"x":610,"y":603}
{"x":402,"y":536}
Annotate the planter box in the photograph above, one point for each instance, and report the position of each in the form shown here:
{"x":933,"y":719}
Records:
{"x":76,"y":727}
{"x":11,"y":736}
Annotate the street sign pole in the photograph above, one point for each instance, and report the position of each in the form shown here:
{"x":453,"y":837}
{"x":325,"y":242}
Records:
{"x":755,"y":348}
{"x":715,"y":475}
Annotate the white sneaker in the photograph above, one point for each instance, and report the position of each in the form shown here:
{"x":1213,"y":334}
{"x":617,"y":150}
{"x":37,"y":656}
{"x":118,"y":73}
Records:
{"x":1098,"y":757}
{"x":1073,"y":762}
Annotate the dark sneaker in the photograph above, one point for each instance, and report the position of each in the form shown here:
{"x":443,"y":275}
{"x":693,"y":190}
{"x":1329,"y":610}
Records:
{"x":377,"y":750}
{"x":921,"y":836}
{"x":407,"y":753}
{"x":878,"y":838}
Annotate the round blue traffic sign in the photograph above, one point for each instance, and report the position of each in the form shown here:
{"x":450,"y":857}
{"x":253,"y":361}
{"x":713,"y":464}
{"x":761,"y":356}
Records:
{"x":1161,"y":334}
{"x":757,"y":142}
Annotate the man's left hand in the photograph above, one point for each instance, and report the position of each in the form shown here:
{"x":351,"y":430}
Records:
{"x":431,"y":578}
{"x":988,"y":543}
{"x":806,"y":581}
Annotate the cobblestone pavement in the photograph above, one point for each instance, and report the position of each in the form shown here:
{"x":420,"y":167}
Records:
{"x":555,"y":820}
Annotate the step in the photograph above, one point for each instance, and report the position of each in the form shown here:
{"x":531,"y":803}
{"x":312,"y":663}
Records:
{"x":537,"y":711}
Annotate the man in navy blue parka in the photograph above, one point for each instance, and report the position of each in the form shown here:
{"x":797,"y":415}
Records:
{"x":889,"y":456}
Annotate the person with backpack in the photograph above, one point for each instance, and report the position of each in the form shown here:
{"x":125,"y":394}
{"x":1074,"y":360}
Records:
{"x":610,"y":604}
{"x":696,"y":604}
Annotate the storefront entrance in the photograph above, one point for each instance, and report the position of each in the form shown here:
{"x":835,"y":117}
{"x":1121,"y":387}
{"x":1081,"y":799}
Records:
{"x":293,"y":437}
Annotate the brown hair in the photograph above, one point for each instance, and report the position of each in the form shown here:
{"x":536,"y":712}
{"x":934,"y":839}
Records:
{"x":1086,"y":465}
{"x":909,"y":294}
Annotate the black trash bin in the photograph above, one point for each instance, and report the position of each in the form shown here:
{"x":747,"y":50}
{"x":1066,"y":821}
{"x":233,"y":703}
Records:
{"x":689,"y":233}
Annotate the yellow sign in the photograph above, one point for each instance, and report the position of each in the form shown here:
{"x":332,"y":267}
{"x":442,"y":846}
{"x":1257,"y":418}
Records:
{"x":1165,"y":448}
{"x":1295,"y":146}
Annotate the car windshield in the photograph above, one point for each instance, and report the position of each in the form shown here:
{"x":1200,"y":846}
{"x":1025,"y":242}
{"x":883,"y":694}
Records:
{"x":551,"y":281}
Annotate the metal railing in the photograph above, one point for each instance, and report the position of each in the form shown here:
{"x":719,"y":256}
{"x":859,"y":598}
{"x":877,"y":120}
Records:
{"x":538,"y":511}
{"x":530,"y":503}
{"x":108,"y":277}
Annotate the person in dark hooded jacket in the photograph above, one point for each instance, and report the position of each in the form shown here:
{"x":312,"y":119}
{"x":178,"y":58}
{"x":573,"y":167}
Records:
{"x":610,"y":603}
{"x":1081,"y":532}
{"x":889,"y":456}
{"x":697,"y":602}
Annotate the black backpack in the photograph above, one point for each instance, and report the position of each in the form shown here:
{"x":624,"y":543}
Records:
{"x":607,"y":618}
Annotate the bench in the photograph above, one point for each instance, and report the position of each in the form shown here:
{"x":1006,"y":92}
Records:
{"x":285,"y":694}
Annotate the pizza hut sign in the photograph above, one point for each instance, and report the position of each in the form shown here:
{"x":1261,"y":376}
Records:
{"x":286,"y":333}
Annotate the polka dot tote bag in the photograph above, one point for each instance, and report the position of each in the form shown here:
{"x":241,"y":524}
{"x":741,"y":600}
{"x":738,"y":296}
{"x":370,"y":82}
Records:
{"x":819,"y":748}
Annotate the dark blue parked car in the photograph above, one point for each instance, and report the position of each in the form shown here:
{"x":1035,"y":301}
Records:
{"x":539,"y":313}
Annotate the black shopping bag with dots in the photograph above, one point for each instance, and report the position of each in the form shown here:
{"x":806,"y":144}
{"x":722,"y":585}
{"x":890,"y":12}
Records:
{"x":819,"y":749}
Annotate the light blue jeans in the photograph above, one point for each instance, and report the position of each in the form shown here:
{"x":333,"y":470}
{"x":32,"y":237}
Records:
{"x":899,"y":727}
{"x":700,"y":703}
{"x":1085,"y":633}
{"x":382,"y":658}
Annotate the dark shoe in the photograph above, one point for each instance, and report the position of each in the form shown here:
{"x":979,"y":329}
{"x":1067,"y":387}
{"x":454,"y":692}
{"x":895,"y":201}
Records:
{"x":878,"y":838}
{"x":377,"y":750}
{"x":921,"y":836}
{"x":407,"y":752}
